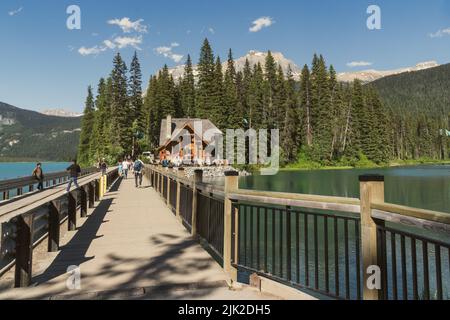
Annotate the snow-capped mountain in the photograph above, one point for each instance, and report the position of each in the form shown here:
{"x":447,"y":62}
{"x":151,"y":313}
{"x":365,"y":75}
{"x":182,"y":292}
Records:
{"x":372,"y":75}
{"x":255,"y":57}
{"x":61,"y":113}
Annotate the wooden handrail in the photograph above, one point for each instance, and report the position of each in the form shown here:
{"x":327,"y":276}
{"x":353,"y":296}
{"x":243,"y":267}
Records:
{"x":428,"y":215}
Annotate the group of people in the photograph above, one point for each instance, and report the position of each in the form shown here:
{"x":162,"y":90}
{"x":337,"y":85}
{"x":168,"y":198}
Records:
{"x":135,"y":166}
{"x":74,"y":171}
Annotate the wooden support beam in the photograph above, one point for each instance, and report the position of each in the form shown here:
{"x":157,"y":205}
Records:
{"x":198,"y":178}
{"x":24,"y":251}
{"x":231,"y":185}
{"x":84,"y":203}
{"x":91,"y":193}
{"x":180,"y":173}
{"x":371,"y":189}
{"x":54,"y":225}
{"x":97,"y":190}
{"x":72,"y":211}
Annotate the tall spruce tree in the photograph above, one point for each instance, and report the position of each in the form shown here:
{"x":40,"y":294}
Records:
{"x":87,"y":126}
{"x":206,"y":78}
{"x":135,"y":93}
{"x":188,"y":103}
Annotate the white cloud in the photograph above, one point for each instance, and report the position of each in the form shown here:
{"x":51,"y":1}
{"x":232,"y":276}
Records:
{"x":168,"y":53}
{"x":128,"y":26}
{"x":90,"y":51}
{"x":123,"y":42}
{"x":260,"y":23}
{"x":354,"y":64}
{"x":116,"y":43}
{"x":211,"y":30}
{"x":14,"y":12}
{"x":440,"y":33}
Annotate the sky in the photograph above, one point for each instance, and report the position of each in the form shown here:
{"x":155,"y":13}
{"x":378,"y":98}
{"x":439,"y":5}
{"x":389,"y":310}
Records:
{"x":46,"y":65}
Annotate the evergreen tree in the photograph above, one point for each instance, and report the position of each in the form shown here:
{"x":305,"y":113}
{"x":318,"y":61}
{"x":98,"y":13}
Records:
{"x":188,"y":90}
{"x":87,"y":125}
{"x":135,"y":93}
{"x":290,"y":138}
{"x":122,"y":114}
{"x":231,"y":106}
{"x":206,"y":78}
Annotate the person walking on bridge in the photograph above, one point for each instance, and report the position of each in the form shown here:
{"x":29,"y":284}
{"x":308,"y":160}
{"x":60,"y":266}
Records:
{"x":103,"y":166}
{"x":137,"y":168}
{"x":125,"y":168}
{"x":74,"y":171}
{"x":38,"y":174}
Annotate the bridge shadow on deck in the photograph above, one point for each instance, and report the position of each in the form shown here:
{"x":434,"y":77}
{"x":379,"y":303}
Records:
{"x":74,"y":252}
{"x":170,"y":277}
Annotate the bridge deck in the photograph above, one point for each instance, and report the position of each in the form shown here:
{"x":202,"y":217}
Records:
{"x":130,"y":246}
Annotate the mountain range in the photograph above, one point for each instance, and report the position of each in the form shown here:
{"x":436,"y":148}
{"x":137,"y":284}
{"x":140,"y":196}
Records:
{"x":255,"y":57}
{"x":28,"y":135}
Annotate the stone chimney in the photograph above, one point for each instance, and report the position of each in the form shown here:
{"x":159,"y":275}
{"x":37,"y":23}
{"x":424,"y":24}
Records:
{"x":169,"y":127}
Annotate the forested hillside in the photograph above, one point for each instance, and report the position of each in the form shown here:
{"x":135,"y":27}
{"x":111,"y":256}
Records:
{"x":320,"y":120}
{"x":29,"y":135}
{"x":419,"y":104}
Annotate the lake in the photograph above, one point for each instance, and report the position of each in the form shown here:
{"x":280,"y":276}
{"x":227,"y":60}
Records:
{"x":426,"y":186}
{"x":11,"y":170}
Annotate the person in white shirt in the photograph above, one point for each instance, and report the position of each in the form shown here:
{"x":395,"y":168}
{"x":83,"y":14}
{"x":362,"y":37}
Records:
{"x":125,"y":167}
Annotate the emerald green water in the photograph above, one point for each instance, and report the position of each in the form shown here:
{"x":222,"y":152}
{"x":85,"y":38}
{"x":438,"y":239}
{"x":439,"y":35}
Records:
{"x":425,"y":187}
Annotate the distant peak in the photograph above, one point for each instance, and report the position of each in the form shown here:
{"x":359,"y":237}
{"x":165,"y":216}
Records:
{"x":60,"y":113}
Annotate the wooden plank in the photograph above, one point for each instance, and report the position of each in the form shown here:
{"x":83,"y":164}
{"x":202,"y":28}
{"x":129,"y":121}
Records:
{"x":54,"y":226}
{"x":24,"y":251}
{"x":72,"y":211}
{"x":411,"y":221}
{"x":423,"y":214}
{"x":283,"y":201}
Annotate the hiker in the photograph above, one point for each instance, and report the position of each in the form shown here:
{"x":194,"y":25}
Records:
{"x":137,"y":168}
{"x":125,"y":168}
{"x":74,"y":171}
{"x":120,"y":168}
{"x":38,"y":174}
{"x":103,"y":167}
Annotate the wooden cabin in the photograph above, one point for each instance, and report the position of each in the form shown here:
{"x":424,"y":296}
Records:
{"x":187,"y":140}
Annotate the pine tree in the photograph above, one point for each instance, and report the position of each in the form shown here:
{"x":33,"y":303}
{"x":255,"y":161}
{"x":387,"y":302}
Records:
{"x":217,"y":113}
{"x":231,"y":108}
{"x":188,"y":90}
{"x":256,"y":98}
{"x":122,"y":114}
{"x":290,"y":138}
{"x":271,"y":80}
{"x":135,"y":93}
{"x":206,"y":78}
{"x":86,"y":130}
{"x":305,"y":102}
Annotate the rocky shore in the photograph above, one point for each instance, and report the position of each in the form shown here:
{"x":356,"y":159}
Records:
{"x":213,"y":172}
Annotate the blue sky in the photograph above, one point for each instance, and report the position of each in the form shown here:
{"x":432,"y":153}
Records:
{"x":45,"y":65}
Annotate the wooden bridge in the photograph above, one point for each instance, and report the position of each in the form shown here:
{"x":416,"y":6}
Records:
{"x":180,"y":238}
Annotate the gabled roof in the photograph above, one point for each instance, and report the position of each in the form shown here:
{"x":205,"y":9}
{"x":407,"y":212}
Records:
{"x":179,"y":124}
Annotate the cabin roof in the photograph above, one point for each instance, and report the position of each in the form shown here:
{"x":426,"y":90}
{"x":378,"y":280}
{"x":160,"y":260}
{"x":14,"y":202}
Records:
{"x":180,"y":123}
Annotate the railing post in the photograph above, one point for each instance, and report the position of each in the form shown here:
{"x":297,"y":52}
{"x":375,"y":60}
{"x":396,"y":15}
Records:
{"x":91,"y":193}
{"x":97,"y":190}
{"x":24,"y":251}
{"x":180,"y":174}
{"x":371,"y":189}
{"x":198,"y":178}
{"x":84,"y":204}
{"x":72,"y":212}
{"x":53,"y":226}
{"x":231,"y":185}
{"x":168,"y":186}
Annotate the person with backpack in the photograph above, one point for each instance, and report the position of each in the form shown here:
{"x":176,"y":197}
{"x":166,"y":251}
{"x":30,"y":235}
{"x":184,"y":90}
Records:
{"x":74,"y":171}
{"x":38,"y":174}
{"x":103,"y":167}
{"x":138,"y":167}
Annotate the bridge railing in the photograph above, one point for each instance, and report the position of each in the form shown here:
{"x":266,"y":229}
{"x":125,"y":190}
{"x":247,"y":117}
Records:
{"x":37,"y":222}
{"x":345,"y":248}
{"x":12,"y":188}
